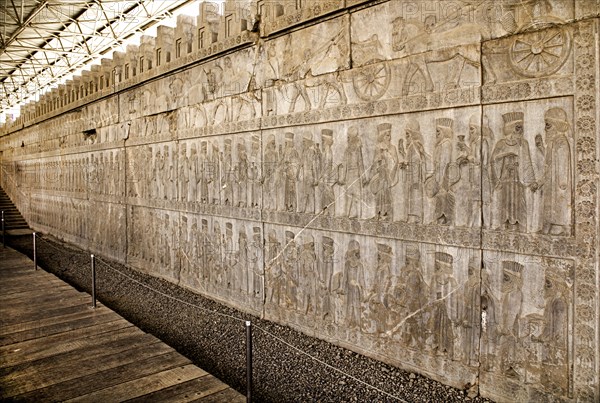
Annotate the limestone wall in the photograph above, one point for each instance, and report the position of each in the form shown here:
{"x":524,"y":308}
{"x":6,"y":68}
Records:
{"x":413,"y":180}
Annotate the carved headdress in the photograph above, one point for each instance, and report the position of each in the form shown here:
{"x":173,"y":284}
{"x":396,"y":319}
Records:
{"x":443,"y":262}
{"x":412,"y":252}
{"x":444,"y":122}
{"x":353,"y":245}
{"x":512,"y":117}
{"x":384,"y":249}
{"x":413,"y":126}
{"x":558,"y":117}
{"x":273,"y":236}
{"x":512,"y":268}
{"x":383,"y":129}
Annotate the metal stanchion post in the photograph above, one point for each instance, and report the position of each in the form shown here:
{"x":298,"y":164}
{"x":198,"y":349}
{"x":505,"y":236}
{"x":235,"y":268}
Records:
{"x":248,"y":361}
{"x":93,"y":281}
{"x":3,"y":231}
{"x":34,"y":254}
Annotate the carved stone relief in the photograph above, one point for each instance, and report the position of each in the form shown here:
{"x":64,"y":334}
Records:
{"x":527,"y":326}
{"x":424,"y":194}
{"x":528,"y":194}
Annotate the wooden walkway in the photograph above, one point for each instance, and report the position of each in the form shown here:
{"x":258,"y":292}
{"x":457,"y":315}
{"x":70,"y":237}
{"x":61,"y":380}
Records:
{"x":55,"y":347}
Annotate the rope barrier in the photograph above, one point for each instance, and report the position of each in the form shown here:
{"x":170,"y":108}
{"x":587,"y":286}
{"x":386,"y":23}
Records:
{"x":328,"y":365}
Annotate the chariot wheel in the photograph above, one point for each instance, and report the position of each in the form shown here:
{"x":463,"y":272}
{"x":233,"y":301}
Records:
{"x":540,"y":53}
{"x":372,"y":81}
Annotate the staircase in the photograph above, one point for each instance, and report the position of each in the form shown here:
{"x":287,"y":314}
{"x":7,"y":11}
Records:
{"x":12,"y":218}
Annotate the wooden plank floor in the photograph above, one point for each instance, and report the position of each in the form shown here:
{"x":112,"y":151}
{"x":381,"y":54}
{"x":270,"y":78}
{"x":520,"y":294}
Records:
{"x":55,"y":347}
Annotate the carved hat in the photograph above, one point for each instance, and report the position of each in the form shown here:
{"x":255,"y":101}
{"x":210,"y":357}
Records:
{"x":228,"y":142}
{"x":558,"y":117}
{"x":307,"y":136}
{"x":512,"y":117}
{"x":271,"y":138}
{"x":384,"y":249}
{"x":353,"y":245}
{"x":327,"y":241}
{"x":255,"y":141}
{"x":228,"y":227}
{"x":327,"y":133}
{"x":289,"y":236}
{"x":474,"y":121}
{"x":272,"y":236}
{"x":256,"y":231}
{"x":243,"y":233}
{"x":444,"y":122}
{"x":204,"y":223}
{"x":309,"y":241}
{"x":512,"y":268}
{"x":413,"y":126}
{"x":289,"y":136}
{"x":560,"y":280}
{"x":443,"y":259}
{"x":412,"y":252}
{"x":203,"y":146}
{"x":384,"y":127}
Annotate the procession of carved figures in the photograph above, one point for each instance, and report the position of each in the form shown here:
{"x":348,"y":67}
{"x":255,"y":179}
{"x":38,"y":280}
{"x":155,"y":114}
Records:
{"x":222,"y":259}
{"x":99,"y":173}
{"x":416,"y":297}
{"x":446,"y":121}
{"x":70,"y":218}
{"x":506,"y":176}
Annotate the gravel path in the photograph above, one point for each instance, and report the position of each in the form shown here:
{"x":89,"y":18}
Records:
{"x":216,"y":342}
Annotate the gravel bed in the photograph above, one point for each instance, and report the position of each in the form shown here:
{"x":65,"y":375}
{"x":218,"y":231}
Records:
{"x":216,"y":342}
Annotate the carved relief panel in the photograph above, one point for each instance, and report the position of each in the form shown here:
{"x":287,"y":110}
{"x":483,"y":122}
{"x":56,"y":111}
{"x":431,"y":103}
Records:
{"x":222,"y":258}
{"x":435,"y":48}
{"x":100,"y":113}
{"x":527,"y":326}
{"x":412,"y":169}
{"x":152,"y":172}
{"x":379,"y":187}
{"x":153,"y":239}
{"x":417,"y":304}
{"x":532,"y":168}
{"x":295,"y":67}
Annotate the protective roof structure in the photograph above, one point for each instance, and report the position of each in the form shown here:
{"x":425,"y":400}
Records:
{"x":44,"y":41}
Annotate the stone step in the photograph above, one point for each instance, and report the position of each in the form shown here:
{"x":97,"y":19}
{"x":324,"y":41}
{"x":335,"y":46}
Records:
{"x":12,"y":217}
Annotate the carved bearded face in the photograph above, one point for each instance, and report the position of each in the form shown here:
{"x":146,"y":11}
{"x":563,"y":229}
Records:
{"x":473,"y":131}
{"x":442,"y":133}
{"x":513,"y":131}
{"x":510,"y":282}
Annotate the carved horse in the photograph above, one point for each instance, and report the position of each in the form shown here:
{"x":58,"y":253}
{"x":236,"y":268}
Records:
{"x":419,"y":40}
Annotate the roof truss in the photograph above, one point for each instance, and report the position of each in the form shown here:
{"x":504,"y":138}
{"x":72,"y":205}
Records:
{"x":43,"y":41}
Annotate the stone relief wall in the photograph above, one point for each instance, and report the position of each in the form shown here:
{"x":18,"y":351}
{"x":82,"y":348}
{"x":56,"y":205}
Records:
{"x":416,"y":181}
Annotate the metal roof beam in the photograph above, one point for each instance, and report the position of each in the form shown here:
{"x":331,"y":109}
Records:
{"x":23,"y":25}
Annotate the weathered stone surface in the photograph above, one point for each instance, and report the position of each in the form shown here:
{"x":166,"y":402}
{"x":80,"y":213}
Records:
{"x":416,"y":181}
